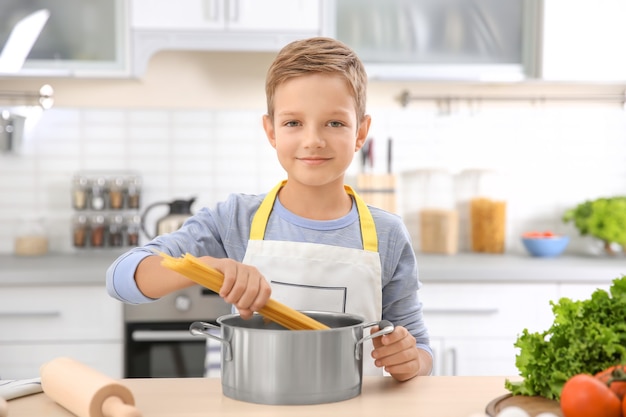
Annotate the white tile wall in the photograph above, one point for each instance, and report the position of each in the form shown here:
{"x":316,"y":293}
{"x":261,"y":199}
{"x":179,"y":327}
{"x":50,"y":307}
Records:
{"x":551,"y":158}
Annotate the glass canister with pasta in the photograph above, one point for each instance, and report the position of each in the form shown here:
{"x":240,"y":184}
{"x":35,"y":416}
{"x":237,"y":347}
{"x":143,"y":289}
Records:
{"x":487,"y":208}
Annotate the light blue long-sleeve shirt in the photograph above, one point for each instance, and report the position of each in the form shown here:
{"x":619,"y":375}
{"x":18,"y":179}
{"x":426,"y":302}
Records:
{"x":223,"y":232}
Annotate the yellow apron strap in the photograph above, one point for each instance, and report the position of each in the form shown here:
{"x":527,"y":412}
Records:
{"x":259,"y":222}
{"x":368,"y":228}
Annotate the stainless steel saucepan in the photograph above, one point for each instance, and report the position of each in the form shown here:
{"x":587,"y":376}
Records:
{"x":262,"y":362}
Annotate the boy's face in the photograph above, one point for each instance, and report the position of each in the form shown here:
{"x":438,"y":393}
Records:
{"x":315,"y":130}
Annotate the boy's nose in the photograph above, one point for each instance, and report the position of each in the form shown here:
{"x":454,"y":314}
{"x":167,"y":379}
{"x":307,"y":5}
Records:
{"x":313,"y":138}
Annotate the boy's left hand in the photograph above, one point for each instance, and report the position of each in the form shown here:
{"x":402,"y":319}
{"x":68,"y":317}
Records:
{"x":397,"y":353}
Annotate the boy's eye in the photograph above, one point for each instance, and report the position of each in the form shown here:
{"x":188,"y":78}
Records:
{"x":292,"y":123}
{"x":335,"y":124}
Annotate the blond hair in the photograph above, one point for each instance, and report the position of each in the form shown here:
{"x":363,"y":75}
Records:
{"x":317,"y":55}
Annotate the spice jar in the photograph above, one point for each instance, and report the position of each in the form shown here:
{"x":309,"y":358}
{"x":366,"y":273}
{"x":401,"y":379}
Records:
{"x":133,"y":225}
{"x":133,"y":192}
{"x":80,"y":192}
{"x":116,"y":193}
{"x":80,"y":231}
{"x":98,"y":194}
{"x":98,"y":231}
{"x":116,"y":231}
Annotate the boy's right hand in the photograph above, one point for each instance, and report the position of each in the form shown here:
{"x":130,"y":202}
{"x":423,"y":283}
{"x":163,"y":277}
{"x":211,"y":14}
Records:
{"x":244,"y":286}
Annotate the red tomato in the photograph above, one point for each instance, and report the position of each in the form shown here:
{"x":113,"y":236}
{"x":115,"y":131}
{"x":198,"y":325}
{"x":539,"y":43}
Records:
{"x":531,"y":234}
{"x":616,"y":376}
{"x":585,"y":396}
{"x":547,"y":234}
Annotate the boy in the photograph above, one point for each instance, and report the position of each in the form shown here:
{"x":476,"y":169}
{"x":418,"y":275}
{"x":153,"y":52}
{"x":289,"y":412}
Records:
{"x":319,"y":244}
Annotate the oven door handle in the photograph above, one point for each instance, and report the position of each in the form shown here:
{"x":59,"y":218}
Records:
{"x":162,"y":336}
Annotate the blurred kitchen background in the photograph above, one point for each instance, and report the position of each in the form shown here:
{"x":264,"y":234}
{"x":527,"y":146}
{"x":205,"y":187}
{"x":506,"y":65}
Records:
{"x":529,"y":94}
{"x":108,"y":107}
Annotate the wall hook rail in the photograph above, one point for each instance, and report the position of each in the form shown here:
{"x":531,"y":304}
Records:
{"x":43,"y":98}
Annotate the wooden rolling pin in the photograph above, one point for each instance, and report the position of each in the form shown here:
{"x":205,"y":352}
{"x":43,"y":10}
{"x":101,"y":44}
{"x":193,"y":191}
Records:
{"x":84,"y":391}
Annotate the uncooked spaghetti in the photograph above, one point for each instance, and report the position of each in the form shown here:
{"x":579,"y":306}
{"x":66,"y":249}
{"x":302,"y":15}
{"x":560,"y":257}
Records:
{"x":211,"y":278}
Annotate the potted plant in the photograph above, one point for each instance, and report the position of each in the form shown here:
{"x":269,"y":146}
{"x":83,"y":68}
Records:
{"x":603,"y":218}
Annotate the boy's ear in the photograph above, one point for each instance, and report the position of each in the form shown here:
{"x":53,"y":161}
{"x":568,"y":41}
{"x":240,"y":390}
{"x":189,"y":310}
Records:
{"x":268,"y":126}
{"x":362,"y":131}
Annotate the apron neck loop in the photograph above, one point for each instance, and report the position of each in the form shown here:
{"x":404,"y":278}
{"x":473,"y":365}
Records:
{"x":368,"y":228}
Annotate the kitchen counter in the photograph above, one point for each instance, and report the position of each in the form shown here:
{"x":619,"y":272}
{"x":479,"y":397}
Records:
{"x":56,"y":269}
{"x":428,"y":396}
{"x":90,"y":268}
{"x":486,"y":268}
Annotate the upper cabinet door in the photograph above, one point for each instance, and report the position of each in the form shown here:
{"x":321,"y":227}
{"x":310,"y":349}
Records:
{"x":584,"y":42}
{"x":180,"y":15}
{"x":226,"y":15}
{"x":475,"y":40}
{"x":80,"y":37}
{"x":274,"y":15}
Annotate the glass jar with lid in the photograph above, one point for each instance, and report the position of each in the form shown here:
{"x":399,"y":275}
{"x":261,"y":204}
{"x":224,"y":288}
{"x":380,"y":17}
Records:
{"x":98,"y":231}
{"x":98,"y":197}
{"x":31,"y":238}
{"x":80,"y":192}
{"x":133,"y":191}
{"x":133,"y":226}
{"x":485,"y":210}
{"x":439,"y":220}
{"x":117,"y":193}
{"x":116,"y":231}
{"x":429,"y":210}
{"x":80,"y":231}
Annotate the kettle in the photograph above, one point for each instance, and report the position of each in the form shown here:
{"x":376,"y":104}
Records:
{"x":179,"y":211}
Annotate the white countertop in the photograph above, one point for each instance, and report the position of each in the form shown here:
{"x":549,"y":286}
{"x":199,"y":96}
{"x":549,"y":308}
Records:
{"x":475,"y":267}
{"x":90,"y":268}
{"x":56,"y":269}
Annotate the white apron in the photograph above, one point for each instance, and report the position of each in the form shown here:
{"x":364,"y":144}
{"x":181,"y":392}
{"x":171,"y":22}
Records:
{"x":310,"y":276}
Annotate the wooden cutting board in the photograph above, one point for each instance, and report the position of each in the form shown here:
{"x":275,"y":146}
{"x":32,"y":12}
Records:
{"x":532,"y":405}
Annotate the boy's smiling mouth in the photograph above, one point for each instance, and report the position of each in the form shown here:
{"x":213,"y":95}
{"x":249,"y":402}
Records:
{"x":313,"y":160}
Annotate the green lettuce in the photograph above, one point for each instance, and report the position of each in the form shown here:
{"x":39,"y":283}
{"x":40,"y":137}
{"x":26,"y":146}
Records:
{"x":603,"y":218}
{"x":587,"y":336}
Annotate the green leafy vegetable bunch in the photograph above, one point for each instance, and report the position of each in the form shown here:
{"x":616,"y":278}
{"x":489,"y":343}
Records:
{"x":587,"y":336}
{"x":603,"y":218}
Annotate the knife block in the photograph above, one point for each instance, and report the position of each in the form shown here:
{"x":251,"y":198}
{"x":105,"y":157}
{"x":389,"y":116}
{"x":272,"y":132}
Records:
{"x":84,"y":391}
{"x":378,"y":190}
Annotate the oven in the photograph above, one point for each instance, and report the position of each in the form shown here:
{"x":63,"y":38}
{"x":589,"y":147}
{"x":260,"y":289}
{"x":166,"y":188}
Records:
{"x":157,"y":342}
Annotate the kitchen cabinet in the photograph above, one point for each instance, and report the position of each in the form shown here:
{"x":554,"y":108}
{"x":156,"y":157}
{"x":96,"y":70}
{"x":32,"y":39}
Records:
{"x":219,"y":25}
{"x":454,"y":40}
{"x":226,"y":15}
{"x":79,"y":39}
{"x":582,"y":43}
{"x":39,"y":323}
{"x":474,"y":325}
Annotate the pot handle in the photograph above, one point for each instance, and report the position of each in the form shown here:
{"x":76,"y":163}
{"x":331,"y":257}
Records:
{"x":201,"y":328}
{"x":385,"y":327}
